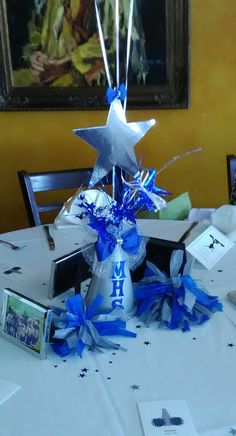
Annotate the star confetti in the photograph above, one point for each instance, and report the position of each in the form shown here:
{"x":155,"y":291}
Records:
{"x":135,"y":387}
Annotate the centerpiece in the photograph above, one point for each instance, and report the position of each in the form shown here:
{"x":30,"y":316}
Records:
{"x":174,"y":299}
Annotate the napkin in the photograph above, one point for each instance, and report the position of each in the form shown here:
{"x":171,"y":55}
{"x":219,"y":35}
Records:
{"x":202,"y":215}
{"x":224,"y":219}
{"x":176,"y":209}
{"x":69,"y":216}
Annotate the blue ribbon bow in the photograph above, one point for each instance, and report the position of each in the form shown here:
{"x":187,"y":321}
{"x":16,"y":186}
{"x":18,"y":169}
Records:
{"x":106,"y":243}
{"x":113,"y":93}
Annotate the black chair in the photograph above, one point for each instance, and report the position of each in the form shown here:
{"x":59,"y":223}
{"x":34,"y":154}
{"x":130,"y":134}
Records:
{"x":231,"y":173}
{"x":33,"y":183}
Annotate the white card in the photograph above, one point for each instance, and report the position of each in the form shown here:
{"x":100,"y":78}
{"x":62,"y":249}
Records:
{"x":7,"y":389}
{"x":209,"y":247}
{"x":162,"y":418}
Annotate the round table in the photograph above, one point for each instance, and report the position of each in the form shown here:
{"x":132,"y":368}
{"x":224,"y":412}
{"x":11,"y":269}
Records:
{"x":99,"y":394}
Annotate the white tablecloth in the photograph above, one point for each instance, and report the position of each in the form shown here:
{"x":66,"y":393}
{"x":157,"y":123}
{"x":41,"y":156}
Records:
{"x":98,"y":395}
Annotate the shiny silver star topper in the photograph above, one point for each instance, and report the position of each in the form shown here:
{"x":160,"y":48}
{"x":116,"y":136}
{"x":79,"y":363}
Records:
{"x":115,"y":142}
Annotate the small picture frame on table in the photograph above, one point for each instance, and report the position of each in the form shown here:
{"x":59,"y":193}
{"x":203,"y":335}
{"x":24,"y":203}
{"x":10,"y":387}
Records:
{"x":159,"y":251}
{"x":69,"y":271}
{"x":25,"y":322}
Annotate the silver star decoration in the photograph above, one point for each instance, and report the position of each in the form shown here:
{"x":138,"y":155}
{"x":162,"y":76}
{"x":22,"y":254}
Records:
{"x":115,"y":142}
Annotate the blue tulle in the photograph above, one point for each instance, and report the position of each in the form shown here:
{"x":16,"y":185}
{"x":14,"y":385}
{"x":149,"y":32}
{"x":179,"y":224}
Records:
{"x":177,"y":302}
{"x":86,"y":326}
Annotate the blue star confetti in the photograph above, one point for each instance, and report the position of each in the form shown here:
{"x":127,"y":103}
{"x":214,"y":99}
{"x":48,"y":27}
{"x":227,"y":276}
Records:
{"x":135,"y":387}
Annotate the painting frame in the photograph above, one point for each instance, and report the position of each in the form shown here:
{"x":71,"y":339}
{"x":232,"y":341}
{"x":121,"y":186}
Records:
{"x":21,"y":319}
{"x":172,"y":94}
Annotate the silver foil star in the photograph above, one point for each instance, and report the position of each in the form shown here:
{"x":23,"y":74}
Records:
{"x":115,"y":142}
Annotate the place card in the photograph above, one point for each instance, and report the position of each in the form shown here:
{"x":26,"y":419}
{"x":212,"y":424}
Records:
{"x":209,"y":247}
{"x":162,"y":418}
{"x":7,"y":389}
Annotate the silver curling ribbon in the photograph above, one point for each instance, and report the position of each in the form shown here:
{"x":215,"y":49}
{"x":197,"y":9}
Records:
{"x":112,"y":280}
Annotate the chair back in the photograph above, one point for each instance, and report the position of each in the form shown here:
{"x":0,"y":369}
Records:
{"x":33,"y":183}
{"x":231,"y":173}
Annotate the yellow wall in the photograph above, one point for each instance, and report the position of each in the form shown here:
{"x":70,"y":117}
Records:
{"x":43,"y":140}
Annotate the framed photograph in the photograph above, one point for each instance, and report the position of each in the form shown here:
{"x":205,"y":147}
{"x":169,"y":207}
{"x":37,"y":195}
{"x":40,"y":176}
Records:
{"x":25,"y":322}
{"x":233,"y":192}
{"x":50,"y":54}
{"x":159,"y":251}
{"x":69,"y":270}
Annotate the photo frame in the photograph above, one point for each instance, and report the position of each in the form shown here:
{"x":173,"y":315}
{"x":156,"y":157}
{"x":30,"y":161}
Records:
{"x":25,"y":322}
{"x":69,"y":270}
{"x":158,"y":71}
{"x":158,"y":252}
{"x":233,"y":192}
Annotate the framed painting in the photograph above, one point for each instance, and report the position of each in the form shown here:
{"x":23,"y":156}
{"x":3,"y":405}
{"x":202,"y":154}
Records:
{"x":50,"y":54}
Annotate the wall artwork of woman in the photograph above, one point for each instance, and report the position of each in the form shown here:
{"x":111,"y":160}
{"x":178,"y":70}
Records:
{"x":55,"y":43}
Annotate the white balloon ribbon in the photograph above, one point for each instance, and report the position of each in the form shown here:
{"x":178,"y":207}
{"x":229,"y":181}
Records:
{"x":103,"y":48}
{"x":117,"y":40}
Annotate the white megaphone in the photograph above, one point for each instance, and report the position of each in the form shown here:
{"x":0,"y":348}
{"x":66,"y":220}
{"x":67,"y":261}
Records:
{"x":112,"y":280}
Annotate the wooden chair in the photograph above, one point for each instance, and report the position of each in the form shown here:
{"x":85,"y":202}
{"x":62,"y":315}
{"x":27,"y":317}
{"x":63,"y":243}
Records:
{"x":231,"y":173}
{"x":33,"y":183}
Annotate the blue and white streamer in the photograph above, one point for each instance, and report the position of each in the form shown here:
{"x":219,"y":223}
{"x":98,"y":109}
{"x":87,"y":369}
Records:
{"x":175,"y":301}
{"x":81,"y":326}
